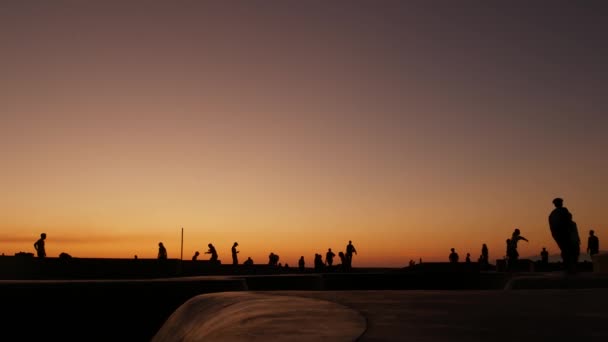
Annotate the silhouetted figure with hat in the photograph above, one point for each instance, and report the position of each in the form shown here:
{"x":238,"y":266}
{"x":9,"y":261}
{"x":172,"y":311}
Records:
{"x":301,"y":264}
{"x":329,"y":257}
{"x":350,"y":249}
{"x":212,"y":251}
{"x":565,"y":233}
{"x":195,"y":256}
{"x":162,"y":251}
{"x":593,"y":244}
{"x":39,"y":246}
{"x":235,"y":259}
{"x":544,"y":257}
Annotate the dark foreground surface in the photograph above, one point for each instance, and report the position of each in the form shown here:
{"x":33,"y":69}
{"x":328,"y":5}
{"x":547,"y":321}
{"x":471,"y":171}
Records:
{"x":425,"y":306}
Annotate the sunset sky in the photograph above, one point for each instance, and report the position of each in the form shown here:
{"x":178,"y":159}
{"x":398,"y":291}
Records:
{"x":408,"y":127}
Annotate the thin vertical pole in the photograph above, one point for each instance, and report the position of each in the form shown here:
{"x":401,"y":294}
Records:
{"x":181,"y":257}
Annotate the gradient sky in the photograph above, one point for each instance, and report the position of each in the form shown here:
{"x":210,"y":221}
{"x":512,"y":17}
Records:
{"x":408,"y":127}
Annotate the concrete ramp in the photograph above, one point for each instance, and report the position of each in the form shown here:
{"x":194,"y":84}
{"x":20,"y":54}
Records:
{"x":247,"y":316}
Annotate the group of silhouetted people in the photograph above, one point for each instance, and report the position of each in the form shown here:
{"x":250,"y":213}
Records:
{"x":563,"y":229}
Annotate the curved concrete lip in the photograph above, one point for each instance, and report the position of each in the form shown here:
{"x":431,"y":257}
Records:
{"x":248,"y":316}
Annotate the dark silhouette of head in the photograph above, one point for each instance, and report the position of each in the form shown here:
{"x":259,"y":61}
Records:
{"x":350,"y":242}
{"x":516,"y":231}
{"x":544,"y":249}
{"x":160,"y":244}
{"x":209,"y":245}
{"x":43,"y":236}
{"x":329,"y":249}
{"x":452,"y":249}
{"x":591,"y":232}
{"x":558,"y":202}
{"x":236,"y":244}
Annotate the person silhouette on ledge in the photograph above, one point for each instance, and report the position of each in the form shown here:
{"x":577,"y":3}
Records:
{"x":453,"y":256}
{"x":301,"y":264}
{"x":485,"y":257}
{"x":235,"y":259}
{"x":212,"y":251}
{"x":195,"y":256}
{"x":162,"y":251}
{"x":248,"y":262}
{"x":593,"y":244}
{"x":329,"y":257}
{"x":565,"y":233}
{"x":39,"y":246}
{"x":350,"y":249}
{"x":544,"y":256}
{"x":468,"y":258}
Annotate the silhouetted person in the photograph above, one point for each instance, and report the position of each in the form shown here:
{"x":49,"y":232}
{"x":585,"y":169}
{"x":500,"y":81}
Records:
{"x":453,"y":256}
{"x":512,"y":252}
{"x":248,"y":262}
{"x":412,"y":263}
{"x":350,"y":249}
{"x":162,"y":251}
{"x":593,"y":244}
{"x":565,"y":233}
{"x":343,"y":261}
{"x":64,"y":256}
{"x":318,"y":262}
{"x":135,"y":257}
{"x":485,"y":256}
{"x":468,"y":258}
{"x":235,"y":259}
{"x":39,"y":246}
{"x":212,"y":251}
{"x":544,"y":256}
{"x":329,"y":257}
{"x":273,"y":259}
{"x":195,"y":256}
{"x":301,"y":264}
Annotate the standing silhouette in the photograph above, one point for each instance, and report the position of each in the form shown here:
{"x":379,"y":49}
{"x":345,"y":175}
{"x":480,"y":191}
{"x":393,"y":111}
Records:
{"x":329,"y":257}
{"x":593,"y":244}
{"x":301,"y":264}
{"x":235,"y":259}
{"x":162,"y":251}
{"x":212,"y":251}
{"x":350,"y":249}
{"x":485,"y":257}
{"x":39,"y":246}
{"x":453,"y":256}
{"x":468,"y":258}
{"x":565,"y":233}
{"x":544,"y":256}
